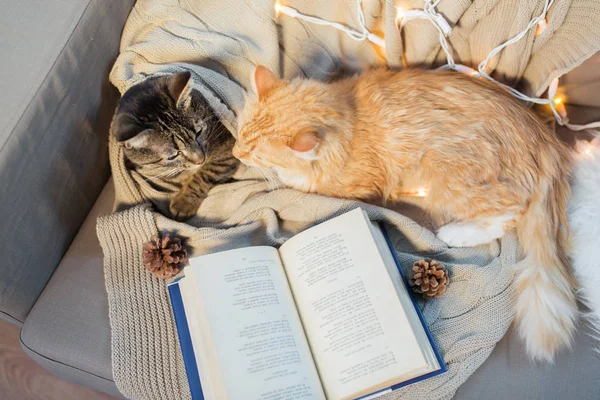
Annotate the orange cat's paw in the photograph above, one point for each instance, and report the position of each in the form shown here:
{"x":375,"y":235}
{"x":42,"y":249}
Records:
{"x":457,"y":234}
{"x":473,"y":232}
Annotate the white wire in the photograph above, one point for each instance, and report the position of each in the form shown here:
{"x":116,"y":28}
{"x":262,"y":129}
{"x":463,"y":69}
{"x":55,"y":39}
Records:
{"x":429,"y":12}
{"x":577,"y":127}
{"x":437,"y":20}
{"x":433,"y":16}
{"x":361,"y":18}
{"x":483,"y":65}
{"x":364,"y":34}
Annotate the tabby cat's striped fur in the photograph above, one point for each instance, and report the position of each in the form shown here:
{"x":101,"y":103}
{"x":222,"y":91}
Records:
{"x":170,"y":133}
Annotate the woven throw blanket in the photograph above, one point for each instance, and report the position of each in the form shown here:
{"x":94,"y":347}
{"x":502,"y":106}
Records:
{"x":220,"y":42}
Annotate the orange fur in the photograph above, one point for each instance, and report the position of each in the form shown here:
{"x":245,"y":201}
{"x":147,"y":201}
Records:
{"x":488,"y":162}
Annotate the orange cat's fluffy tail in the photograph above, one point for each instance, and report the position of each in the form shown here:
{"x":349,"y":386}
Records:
{"x":546,"y":306}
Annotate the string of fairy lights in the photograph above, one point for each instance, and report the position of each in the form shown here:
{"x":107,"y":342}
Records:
{"x":429,"y":13}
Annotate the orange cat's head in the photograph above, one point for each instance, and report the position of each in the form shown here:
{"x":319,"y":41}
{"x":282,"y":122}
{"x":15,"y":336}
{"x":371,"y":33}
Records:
{"x":288,"y":125}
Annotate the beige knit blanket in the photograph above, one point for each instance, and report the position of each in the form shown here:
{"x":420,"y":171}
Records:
{"x":221,"y":41}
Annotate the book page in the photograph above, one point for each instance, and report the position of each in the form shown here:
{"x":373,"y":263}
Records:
{"x":404,"y":296}
{"x":249,"y":316}
{"x":356,"y":326}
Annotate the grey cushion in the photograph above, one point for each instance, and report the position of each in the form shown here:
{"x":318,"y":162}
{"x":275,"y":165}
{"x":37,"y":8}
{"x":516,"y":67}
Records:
{"x":55,"y":108}
{"x":508,"y":373}
{"x":32,"y":34}
{"x":68,"y":332}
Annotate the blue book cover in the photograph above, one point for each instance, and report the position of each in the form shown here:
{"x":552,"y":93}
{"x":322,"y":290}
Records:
{"x":189,"y":356}
{"x":185,"y":342}
{"x":443,"y":367}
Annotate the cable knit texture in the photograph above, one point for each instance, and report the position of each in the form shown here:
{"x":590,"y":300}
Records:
{"x":220,"y":42}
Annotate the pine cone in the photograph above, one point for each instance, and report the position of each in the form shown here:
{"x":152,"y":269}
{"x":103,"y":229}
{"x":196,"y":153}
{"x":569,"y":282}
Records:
{"x":164,"y":257}
{"x":428,"y":278}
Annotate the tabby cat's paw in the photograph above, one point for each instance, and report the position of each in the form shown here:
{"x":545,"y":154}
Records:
{"x":183,"y":207}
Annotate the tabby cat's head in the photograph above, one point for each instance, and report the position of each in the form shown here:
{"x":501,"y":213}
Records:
{"x":165,"y":125}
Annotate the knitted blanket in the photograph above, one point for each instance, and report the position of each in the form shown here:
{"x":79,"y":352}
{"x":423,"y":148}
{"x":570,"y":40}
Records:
{"x":220,"y":42}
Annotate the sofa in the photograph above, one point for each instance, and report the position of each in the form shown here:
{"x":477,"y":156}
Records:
{"x":56,"y":107}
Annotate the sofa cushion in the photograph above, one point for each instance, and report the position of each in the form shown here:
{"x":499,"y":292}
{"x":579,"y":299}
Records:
{"x":32,"y":34}
{"x":509,"y":374}
{"x":55,"y":108}
{"x":68,"y":330}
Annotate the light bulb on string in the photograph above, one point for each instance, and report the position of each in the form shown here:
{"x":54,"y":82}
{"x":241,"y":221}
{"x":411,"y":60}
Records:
{"x":466,"y":70}
{"x":484,"y":69}
{"x":541,"y":27}
{"x":585,"y":148}
{"x":417,"y":192}
{"x":399,"y":13}
{"x":403,"y":16}
{"x":559,"y":103}
{"x":283,"y":9}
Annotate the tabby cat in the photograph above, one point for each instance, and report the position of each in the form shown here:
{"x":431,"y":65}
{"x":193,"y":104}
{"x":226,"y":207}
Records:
{"x":169,"y":132}
{"x":487,"y":162}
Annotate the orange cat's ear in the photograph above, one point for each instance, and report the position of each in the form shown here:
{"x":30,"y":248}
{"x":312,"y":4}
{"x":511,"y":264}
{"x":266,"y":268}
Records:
{"x":264,"y":81}
{"x":305,"y":142}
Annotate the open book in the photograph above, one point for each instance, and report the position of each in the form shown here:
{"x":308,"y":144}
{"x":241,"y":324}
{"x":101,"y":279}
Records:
{"x":327,"y":316}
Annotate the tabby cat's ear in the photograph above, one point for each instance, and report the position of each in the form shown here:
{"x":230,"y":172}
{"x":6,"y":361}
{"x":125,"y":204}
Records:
{"x":180,"y":88}
{"x":305,"y":144}
{"x":139,"y":141}
{"x":128,"y":133}
{"x":263,"y":80}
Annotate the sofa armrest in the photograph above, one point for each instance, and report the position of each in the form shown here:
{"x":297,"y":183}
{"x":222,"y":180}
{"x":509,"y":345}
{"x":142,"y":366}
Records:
{"x":53,"y":135}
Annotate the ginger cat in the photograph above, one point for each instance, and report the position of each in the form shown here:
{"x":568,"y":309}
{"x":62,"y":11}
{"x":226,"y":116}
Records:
{"x":488,"y":163}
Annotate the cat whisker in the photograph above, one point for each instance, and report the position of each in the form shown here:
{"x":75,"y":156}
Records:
{"x":210,"y":118}
{"x":261,"y":173}
{"x":174,"y":172}
{"x":166,"y":174}
{"x":209,"y":136}
{"x":269,"y":177}
{"x":214,"y":132}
